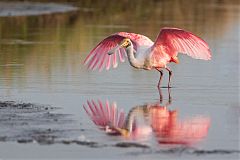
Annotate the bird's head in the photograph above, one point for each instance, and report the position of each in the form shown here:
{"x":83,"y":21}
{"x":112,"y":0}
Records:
{"x":126,"y":42}
{"x":124,"y":132}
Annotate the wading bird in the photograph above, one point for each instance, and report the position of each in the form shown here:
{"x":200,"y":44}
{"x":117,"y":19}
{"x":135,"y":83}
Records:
{"x":159,"y":121}
{"x":142,"y":53}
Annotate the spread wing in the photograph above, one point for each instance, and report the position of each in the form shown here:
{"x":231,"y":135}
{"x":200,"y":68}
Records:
{"x":105,"y":116}
{"x":169,"y":130}
{"x":98,"y":57}
{"x":172,"y":41}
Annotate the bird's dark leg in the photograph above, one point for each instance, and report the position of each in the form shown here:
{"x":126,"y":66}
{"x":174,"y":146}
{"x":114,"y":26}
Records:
{"x":160,"y":94}
{"x":170,"y":77}
{"x":161,"y":75}
{"x":169,"y":97}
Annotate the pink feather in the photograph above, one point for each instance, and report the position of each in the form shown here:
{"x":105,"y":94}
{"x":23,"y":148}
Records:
{"x":174,"y":41}
{"x":104,"y":115}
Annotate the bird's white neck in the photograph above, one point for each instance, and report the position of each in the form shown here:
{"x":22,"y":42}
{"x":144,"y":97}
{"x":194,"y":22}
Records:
{"x":132,"y":60}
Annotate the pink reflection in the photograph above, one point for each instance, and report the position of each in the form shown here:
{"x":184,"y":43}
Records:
{"x":159,"y":121}
{"x":113,"y":120}
{"x":106,"y":116}
{"x":170,"y":130}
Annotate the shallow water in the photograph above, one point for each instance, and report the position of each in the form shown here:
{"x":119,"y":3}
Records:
{"x":41,"y":63}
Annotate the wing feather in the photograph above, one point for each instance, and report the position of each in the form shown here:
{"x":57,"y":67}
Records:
{"x":115,"y":63}
{"x":96,"y":60}
{"x":105,"y":115}
{"x":108,"y":64}
{"x":101,"y":60}
{"x":172,"y":41}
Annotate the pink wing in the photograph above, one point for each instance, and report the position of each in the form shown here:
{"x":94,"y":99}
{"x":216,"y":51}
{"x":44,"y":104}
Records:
{"x":105,"y":115}
{"x":169,"y":130}
{"x":190,"y":131}
{"x":98,"y":57}
{"x":172,"y":41}
{"x":187,"y":132}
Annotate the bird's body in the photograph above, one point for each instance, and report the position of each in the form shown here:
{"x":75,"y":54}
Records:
{"x":142,"y":53}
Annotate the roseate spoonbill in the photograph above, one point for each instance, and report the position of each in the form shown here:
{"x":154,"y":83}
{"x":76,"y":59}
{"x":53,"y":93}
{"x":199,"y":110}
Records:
{"x":161,"y":121}
{"x":142,"y":53}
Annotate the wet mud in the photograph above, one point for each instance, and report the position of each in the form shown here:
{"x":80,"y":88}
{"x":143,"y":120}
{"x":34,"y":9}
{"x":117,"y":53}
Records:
{"x":185,"y":151}
{"x":27,"y":122}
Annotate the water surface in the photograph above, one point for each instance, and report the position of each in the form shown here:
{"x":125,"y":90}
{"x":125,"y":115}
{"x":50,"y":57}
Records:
{"x":41,"y":62}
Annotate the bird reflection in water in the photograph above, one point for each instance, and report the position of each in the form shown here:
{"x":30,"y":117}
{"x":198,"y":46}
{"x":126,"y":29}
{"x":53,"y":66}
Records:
{"x":144,"y":121}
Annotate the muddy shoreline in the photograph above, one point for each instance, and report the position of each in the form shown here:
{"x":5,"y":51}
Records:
{"x":27,"y":122}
